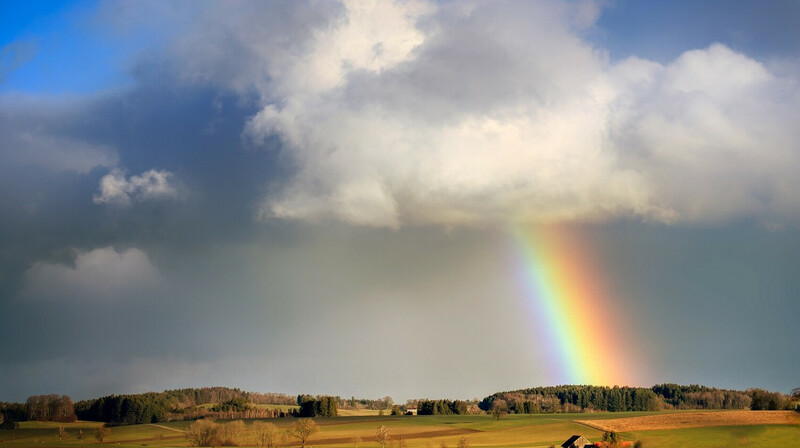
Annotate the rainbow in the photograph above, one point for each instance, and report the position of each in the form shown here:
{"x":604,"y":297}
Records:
{"x":570,"y":307}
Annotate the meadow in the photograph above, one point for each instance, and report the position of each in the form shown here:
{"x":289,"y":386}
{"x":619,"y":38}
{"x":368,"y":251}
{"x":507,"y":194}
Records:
{"x":541,"y":430}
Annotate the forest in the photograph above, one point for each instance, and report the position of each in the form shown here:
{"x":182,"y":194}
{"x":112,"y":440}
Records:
{"x":580,"y":398}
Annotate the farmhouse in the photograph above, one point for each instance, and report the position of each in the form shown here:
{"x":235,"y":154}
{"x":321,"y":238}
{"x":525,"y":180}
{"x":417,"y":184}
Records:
{"x":577,"y":441}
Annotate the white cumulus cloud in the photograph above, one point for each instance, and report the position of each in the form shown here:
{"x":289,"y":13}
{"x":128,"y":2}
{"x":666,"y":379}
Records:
{"x":115,"y":188}
{"x":414,"y":112}
{"x":98,"y":275}
{"x":714,"y":133}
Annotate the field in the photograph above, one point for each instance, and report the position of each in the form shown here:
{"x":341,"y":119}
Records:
{"x":746,"y":429}
{"x":694,"y":420}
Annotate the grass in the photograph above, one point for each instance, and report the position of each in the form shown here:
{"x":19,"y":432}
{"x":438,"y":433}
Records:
{"x":723,"y":436}
{"x":515,"y":431}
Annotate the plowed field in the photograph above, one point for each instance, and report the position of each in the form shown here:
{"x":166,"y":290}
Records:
{"x":694,"y":420}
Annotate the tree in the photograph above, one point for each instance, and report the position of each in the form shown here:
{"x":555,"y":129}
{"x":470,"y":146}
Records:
{"x":61,"y":431}
{"x":763,"y":400}
{"x":463,"y":442}
{"x":80,"y":435}
{"x":6,"y":421}
{"x":101,"y":433}
{"x":235,"y":404}
{"x":232,"y":433}
{"x":50,"y":408}
{"x":795,"y":392}
{"x":266,"y":434}
{"x":323,"y":406}
{"x":202,"y":433}
{"x":615,"y":439}
{"x":382,"y":436}
{"x":499,"y":409}
{"x":302,"y":429}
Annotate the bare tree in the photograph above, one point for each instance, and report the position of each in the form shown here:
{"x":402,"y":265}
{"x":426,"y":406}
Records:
{"x":499,"y":409}
{"x":232,"y":433}
{"x":356,"y":441}
{"x":302,"y":429}
{"x":266,"y":434}
{"x":463,"y":442}
{"x":382,"y":436}
{"x":101,"y":432}
{"x":80,"y":435}
{"x":203,"y":433}
{"x":62,"y":432}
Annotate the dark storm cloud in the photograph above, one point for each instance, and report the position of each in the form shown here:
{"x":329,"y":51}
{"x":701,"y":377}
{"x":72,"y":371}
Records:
{"x":56,"y":241}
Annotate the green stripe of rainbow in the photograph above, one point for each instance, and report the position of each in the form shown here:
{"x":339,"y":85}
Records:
{"x":568,"y":299}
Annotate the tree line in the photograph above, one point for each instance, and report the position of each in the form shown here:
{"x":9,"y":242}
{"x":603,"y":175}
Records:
{"x":185,"y":404}
{"x":179,"y":404}
{"x":46,"y":408}
{"x":556,"y":399}
{"x":319,"y":406}
{"x":442,"y":407}
{"x":577,"y":398}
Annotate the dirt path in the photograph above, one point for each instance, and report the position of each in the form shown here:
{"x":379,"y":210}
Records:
{"x":165,"y":427}
{"x":413,"y":435}
{"x":328,"y":441}
{"x":694,"y":420}
{"x":149,"y":439}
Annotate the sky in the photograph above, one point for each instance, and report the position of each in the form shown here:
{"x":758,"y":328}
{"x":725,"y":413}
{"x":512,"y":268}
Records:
{"x":411,"y":198}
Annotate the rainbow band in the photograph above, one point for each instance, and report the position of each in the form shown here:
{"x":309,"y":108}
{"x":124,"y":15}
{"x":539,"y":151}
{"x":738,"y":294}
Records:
{"x":567,"y":298}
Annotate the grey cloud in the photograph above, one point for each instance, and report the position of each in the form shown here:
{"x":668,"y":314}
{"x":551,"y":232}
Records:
{"x":97,"y":275}
{"x":35,"y":133}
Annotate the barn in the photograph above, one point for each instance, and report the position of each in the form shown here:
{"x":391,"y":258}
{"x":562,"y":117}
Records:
{"x":577,"y":441}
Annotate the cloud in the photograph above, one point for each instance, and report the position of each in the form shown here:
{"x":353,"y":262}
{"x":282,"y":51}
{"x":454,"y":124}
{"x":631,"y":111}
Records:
{"x":475,"y":124}
{"x":714,"y":133}
{"x":43,"y":132}
{"x":469,"y":113}
{"x":57,"y":153}
{"x":99,"y":275}
{"x":148,"y":186}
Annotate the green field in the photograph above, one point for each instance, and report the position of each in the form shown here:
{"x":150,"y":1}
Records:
{"x":424,"y":432}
